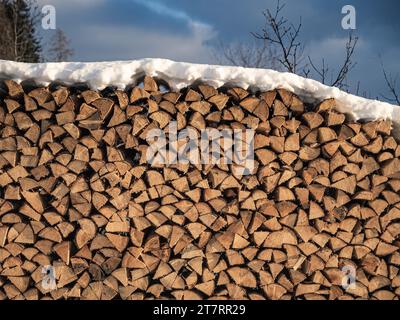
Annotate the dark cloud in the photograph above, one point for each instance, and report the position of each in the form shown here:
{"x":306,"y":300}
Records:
{"x":116,"y":13}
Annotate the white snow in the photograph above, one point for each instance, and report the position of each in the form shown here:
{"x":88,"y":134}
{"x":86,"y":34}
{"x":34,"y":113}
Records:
{"x":178,"y":75}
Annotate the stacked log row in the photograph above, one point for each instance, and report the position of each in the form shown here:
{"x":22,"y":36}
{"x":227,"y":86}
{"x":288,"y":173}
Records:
{"x":78,"y":196}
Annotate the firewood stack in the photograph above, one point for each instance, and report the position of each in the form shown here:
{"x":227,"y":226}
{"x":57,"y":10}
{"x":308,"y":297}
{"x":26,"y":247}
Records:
{"x":77,"y":194}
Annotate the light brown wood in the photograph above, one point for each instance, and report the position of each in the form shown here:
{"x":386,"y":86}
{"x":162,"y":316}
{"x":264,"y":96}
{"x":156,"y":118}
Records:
{"x":78,"y":194}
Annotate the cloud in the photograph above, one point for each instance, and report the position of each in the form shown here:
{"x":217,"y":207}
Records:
{"x":177,"y":14}
{"x":97,"y":43}
{"x":123,"y":42}
{"x":162,"y":9}
{"x":329,"y":48}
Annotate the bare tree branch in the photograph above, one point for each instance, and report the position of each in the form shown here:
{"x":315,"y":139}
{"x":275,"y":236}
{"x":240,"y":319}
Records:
{"x":340,"y":79}
{"x":322,"y":72}
{"x":358,"y":88}
{"x":253,"y":55}
{"x":391,"y":83}
{"x":348,"y":64}
{"x":284,"y":36}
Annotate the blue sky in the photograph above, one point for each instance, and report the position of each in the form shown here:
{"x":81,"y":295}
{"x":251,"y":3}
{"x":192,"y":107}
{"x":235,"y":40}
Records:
{"x":187,"y":30}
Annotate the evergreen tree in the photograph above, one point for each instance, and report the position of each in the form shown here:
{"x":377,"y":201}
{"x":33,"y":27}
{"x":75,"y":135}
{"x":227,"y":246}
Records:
{"x":20,"y":40}
{"x":6,"y":50}
{"x":59,"y":50}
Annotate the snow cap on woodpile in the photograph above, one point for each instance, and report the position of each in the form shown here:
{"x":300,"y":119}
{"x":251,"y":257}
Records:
{"x":178,"y":75}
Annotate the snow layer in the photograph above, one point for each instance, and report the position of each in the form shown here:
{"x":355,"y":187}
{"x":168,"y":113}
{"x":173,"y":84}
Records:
{"x":178,"y":75}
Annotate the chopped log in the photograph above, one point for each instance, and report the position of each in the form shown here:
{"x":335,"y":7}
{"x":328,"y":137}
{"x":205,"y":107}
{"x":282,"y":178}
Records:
{"x":313,"y":120}
{"x":279,"y":238}
{"x":309,"y":154}
{"x":242,"y":277}
{"x":63,"y":251}
{"x":347,"y":185}
{"x":150,"y":85}
{"x":14,"y":88}
{"x":391,"y":169}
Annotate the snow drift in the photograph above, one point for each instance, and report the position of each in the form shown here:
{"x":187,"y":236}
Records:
{"x":178,"y":75}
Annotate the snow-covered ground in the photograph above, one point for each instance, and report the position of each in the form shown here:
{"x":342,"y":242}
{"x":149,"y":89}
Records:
{"x":99,"y":75}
